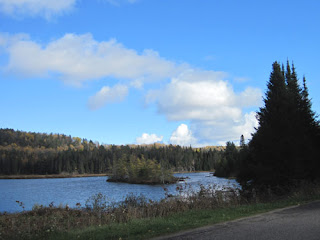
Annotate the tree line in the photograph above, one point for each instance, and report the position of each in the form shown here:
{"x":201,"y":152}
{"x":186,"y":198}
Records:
{"x":40,"y":153}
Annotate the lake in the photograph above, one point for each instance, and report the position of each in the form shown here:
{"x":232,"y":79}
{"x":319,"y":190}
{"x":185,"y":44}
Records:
{"x":77,"y":190}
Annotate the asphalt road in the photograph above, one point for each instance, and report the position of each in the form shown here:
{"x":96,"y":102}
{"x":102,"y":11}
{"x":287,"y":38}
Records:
{"x":298,"y":222}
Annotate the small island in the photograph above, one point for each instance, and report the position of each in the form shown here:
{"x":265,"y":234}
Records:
{"x":140,"y":171}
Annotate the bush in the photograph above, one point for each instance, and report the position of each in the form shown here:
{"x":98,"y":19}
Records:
{"x":97,"y":203}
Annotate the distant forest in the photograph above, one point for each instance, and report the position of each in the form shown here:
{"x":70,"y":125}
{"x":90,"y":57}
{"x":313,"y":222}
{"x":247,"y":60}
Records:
{"x":40,"y":153}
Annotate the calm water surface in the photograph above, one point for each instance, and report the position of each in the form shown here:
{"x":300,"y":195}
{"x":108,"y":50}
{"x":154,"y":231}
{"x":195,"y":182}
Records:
{"x":77,"y":190}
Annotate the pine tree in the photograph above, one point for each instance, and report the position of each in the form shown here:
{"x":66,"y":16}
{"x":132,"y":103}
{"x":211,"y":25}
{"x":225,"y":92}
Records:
{"x":311,"y":134}
{"x":282,"y":150}
{"x":267,"y":156}
{"x":305,"y":130}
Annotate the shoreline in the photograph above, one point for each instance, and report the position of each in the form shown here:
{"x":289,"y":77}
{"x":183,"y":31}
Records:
{"x":194,"y":172}
{"x":146,"y":182}
{"x":35,"y":176}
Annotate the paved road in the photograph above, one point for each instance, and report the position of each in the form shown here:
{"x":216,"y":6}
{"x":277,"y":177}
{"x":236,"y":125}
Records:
{"x":299,"y":222}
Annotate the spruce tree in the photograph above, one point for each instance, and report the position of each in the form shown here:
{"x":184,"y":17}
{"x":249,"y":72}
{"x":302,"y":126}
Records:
{"x":295,"y":155}
{"x":267,"y":156}
{"x":311,"y":134}
{"x":282,"y":150}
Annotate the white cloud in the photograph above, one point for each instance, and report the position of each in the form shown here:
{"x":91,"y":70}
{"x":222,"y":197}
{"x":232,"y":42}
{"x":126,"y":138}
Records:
{"x":148,"y":139}
{"x":209,"y":102}
{"x":246,"y":127}
{"x":44,"y":8}
{"x":80,"y":58}
{"x":202,"y":95}
{"x":107,"y":95}
{"x":204,"y":98}
{"x":223,"y":131}
{"x":249,"y":97}
{"x":182,"y":136}
{"x":6,"y":39}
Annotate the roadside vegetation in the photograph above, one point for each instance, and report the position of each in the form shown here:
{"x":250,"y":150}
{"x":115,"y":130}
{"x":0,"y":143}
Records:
{"x":139,"y":218}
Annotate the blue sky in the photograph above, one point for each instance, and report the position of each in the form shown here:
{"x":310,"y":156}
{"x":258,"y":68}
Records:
{"x":144,"y":71}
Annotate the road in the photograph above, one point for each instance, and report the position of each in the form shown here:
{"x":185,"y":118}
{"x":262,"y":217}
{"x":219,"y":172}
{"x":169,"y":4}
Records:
{"x":294,"y":223}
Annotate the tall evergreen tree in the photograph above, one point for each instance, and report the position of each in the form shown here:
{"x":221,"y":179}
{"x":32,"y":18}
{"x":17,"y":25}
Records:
{"x":312,"y":133}
{"x":266,"y":155}
{"x":281,"y":151}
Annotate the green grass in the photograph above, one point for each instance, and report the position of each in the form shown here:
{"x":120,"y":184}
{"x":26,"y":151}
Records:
{"x":148,"y":228}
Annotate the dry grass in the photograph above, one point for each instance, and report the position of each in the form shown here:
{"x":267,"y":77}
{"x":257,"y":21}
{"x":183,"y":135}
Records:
{"x":42,"y":221}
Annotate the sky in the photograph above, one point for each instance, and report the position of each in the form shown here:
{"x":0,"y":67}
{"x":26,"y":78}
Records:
{"x":142,"y":71}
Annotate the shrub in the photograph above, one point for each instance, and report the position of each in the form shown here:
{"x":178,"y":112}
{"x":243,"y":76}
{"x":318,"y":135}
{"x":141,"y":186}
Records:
{"x":96,"y":203}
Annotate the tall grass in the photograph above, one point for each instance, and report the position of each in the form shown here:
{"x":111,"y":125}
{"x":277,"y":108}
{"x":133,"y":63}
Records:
{"x":46,"y":221}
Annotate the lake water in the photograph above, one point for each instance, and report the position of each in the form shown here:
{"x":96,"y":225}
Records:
{"x":77,"y":190}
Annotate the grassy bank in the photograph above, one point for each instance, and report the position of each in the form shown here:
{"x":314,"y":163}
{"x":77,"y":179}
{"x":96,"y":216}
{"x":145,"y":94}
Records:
{"x":140,"y":218}
{"x":149,"y":228}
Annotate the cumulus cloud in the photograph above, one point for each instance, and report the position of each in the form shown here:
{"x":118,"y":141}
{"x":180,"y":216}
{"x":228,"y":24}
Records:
{"x":107,"y":95}
{"x":219,"y":132}
{"x":148,"y":139}
{"x":80,"y":58}
{"x":208,"y":101}
{"x":204,"y":98}
{"x":247,"y":125}
{"x":44,"y":8}
{"x":249,"y":97}
{"x":182,"y":136}
{"x":202,"y":95}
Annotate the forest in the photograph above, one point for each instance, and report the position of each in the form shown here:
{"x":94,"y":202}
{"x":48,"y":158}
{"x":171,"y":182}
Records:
{"x":40,"y":153}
